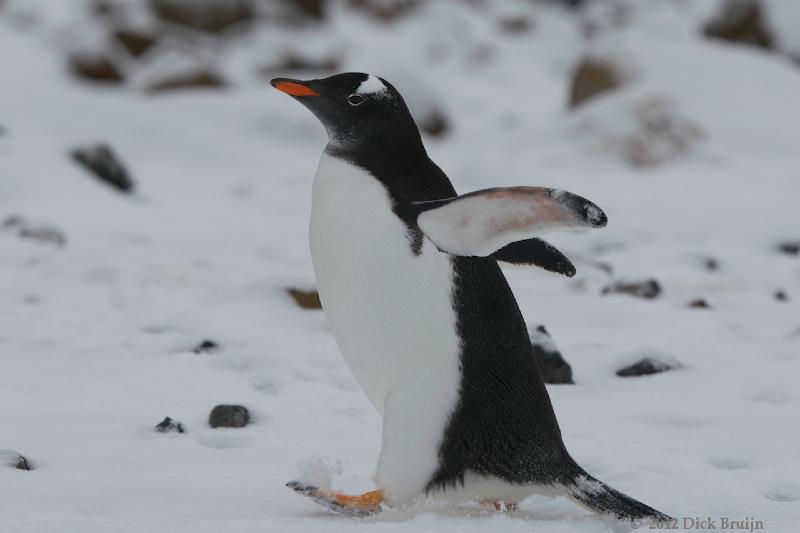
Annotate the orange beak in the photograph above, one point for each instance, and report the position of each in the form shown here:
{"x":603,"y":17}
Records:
{"x":293,"y":88}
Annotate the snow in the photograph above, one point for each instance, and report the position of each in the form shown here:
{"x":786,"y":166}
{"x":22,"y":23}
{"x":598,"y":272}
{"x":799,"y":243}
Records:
{"x":96,"y":336}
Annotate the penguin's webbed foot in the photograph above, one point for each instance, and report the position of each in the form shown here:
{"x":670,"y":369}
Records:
{"x":360,"y":505}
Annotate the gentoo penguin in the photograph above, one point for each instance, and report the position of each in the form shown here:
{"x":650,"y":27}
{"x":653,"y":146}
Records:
{"x":408,"y":276}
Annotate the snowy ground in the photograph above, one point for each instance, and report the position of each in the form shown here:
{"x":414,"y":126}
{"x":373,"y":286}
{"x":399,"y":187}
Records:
{"x":96,"y":337}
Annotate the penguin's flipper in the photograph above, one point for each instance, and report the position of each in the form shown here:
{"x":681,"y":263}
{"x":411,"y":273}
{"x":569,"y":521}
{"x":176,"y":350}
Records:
{"x":535,"y":252}
{"x":482,"y":222}
{"x":361,"y":505}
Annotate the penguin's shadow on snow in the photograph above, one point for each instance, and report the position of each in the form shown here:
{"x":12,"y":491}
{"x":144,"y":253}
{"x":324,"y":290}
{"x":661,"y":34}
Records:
{"x":542,"y":516}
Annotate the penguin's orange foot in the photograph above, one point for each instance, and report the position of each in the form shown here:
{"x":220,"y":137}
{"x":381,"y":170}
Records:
{"x":361,"y":505}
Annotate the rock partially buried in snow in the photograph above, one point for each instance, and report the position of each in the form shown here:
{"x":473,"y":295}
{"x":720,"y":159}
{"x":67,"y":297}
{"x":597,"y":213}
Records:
{"x":648,"y":289}
{"x":168,"y":425}
{"x":554,"y":369}
{"x":305,"y":299}
{"x":229,"y":416}
{"x":43,"y":233}
{"x":212,"y":16}
{"x":12,"y":459}
{"x":650,"y":364}
{"x":197,"y":79}
{"x":206,"y":346}
{"x":789,"y":247}
{"x":96,"y":68}
{"x":741,"y":21}
{"x":699,"y":303}
{"x":135,"y":41}
{"x":592,"y":77}
{"x":101,"y":161}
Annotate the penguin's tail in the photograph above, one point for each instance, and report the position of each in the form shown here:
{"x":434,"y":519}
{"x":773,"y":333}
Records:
{"x":599,"y":497}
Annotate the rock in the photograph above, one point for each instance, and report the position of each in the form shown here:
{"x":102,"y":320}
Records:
{"x":212,"y":16}
{"x":789,"y":247}
{"x":434,"y":123}
{"x":648,"y":365}
{"x":206,"y":346}
{"x":314,"y":9}
{"x":169,"y":425}
{"x":592,"y":77}
{"x":516,"y":25}
{"x":305,"y":299}
{"x":293,"y":62}
{"x":13,"y":459}
{"x":386,"y":11}
{"x":741,"y":21}
{"x":135,"y":41}
{"x":43,"y":233}
{"x":229,"y":416}
{"x":101,"y":160}
{"x":554,"y":369}
{"x":711,"y":264}
{"x":699,"y":303}
{"x":95,"y":67}
{"x":781,"y":295}
{"x":646,"y":289}
{"x":662,"y":133}
{"x":197,"y":79}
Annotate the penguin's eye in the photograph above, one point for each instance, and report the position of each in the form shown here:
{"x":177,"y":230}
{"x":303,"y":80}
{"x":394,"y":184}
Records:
{"x":355,"y":99}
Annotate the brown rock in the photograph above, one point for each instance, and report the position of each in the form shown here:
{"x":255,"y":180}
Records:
{"x":212,"y":16}
{"x":741,"y":21}
{"x":590,"y":78}
{"x":305,"y":299}
{"x":385,"y":11}
{"x":198,"y":79}
{"x":434,"y":123}
{"x":699,"y":303}
{"x":96,"y":68}
{"x":136,"y":42}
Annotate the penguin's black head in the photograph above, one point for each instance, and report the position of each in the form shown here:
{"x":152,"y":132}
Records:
{"x":359,"y":111}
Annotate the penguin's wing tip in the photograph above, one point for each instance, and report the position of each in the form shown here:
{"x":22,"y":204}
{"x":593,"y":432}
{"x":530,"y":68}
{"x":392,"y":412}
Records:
{"x":483,"y":222}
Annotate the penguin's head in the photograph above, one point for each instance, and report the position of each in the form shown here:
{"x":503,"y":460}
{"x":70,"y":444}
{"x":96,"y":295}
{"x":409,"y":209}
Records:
{"x":359,"y":111}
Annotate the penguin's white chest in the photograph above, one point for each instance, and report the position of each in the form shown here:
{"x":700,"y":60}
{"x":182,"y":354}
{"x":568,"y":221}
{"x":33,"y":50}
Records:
{"x":390,"y":310}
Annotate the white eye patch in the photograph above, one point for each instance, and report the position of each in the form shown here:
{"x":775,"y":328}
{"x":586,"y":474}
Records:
{"x":371,"y":85}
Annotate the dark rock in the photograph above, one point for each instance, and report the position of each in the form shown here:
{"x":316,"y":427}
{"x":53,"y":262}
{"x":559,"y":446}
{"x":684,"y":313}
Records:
{"x":101,"y":160}
{"x":554,"y":368}
{"x":781,"y":295}
{"x":741,"y":21}
{"x":516,"y":25}
{"x":198,"y":79}
{"x":789,"y":247}
{"x":711,"y":264}
{"x":13,"y":459}
{"x":646,"y":366}
{"x":136,"y":42}
{"x":314,"y":9}
{"x":212,"y":16}
{"x":592,"y":77}
{"x":169,"y":425}
{"x":305,"y":299}
{"x":434,"y":123}
{"x":647,"y":289}
{"x":229,"y":416}
{"x":36,"y":232}
{"x":699,"y":303}
{"x":206,"y":346}
{"x":96,"y":68}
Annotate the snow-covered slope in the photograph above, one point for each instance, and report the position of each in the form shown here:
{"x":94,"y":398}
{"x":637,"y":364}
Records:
{"x":96,"y":336}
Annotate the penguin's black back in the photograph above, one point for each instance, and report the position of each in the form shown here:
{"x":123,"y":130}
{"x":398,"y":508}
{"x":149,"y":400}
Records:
{"x":503,"y":424}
